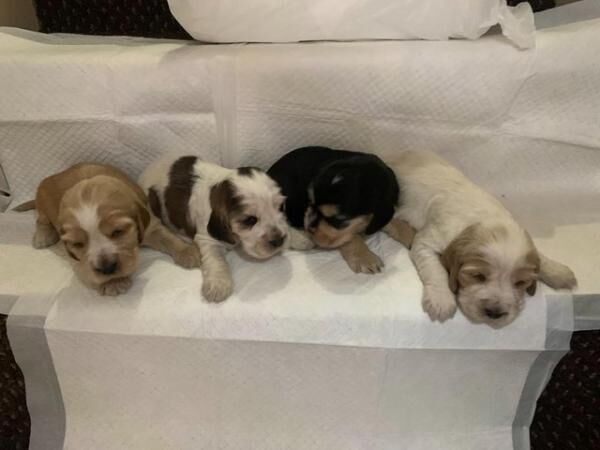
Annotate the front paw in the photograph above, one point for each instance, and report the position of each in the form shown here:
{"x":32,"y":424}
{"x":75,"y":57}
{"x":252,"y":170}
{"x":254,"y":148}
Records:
{"x":299,"y":240}
{"x":44,"y":237}
{"x":365,"y":262}
{"x":189,"y":258}
{"x":438,"y":303}
{"x":115,"y":287}
{"x":217,"y":289}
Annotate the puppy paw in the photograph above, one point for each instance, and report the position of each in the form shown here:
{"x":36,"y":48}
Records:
{"x":365,"y":262}
{"x":44,"y":237}
{"x":438,"y":303}
{"x":216,"y":290}
{"x":115,"y":287}
{"x":299,"y":240}
{"x":189,"y":258}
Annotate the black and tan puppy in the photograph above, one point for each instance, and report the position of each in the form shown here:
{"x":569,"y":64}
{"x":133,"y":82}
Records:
{"x":336,"y":196}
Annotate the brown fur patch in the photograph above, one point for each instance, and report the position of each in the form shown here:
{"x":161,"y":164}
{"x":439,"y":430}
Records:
{"x":178,"y":192}
{"x":329,"y":210}
{"x":327,"y":236}
{"x":528,"y":274}
{"x":154,"y":203}
{"x":466,"y":248}
{"x":224,"y":203}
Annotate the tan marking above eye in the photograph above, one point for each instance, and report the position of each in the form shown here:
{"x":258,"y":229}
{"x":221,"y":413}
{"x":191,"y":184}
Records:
{"x":329,"y":210}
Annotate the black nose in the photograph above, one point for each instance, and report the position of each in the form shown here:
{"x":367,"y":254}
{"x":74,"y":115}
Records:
{"x":277,"y":242}
{"x":107,"y":267}
{"x":494,"y":313}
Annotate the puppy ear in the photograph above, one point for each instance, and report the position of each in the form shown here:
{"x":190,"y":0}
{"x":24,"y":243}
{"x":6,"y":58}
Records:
{"x":458,"y":251}
{"x":142,"y":219}
{"x":533,"y":260}
{"x":384,"y":199}
{"x":222,"y":202}
{"x":452,"y":262}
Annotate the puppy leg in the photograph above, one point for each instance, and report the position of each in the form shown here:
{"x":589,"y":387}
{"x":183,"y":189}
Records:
{"x":438,"y":300}
{"x":217,"y":283}
{"x":299,"y":240}
{"x":115,"y":287}
{"x":555,"y":274}
{"x":359,"y":257}
{"x":45,"y":235}
{"x":159,"y":237}
{"x":401,"y":231}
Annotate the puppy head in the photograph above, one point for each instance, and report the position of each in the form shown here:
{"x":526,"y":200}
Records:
{"x":247,"y":210}
{"x":348,"y":197}
{"x":102,"y":224}
{"x":491,"y":268}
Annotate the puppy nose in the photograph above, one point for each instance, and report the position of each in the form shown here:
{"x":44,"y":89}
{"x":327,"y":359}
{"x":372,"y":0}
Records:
{"x":277,"y":241}
{"x":494,"y":313}
{"x":107,"y":266}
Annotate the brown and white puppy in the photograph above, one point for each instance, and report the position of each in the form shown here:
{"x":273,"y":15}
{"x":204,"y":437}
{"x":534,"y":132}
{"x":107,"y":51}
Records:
{"x":468,"y":248}
{"x":219,"y":209}
{"x":101,"y":216}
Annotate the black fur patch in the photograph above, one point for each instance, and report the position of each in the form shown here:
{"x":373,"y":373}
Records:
{"x":357,"y":183}
{"x":178,"y":193}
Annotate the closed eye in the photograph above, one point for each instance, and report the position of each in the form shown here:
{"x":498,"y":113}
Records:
{"x":77,"y":245}
{"x":521,"y":284}
{"x":337,"y":221}
{"x":479,"y":277}
{"x":118,"y":232}
{"x":249,"y":221}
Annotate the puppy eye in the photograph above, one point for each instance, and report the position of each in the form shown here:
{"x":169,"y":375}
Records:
{"x":337,"y":222}
{"x":249,"y":221}
{"x":480,"y":277}
{"x":116,"y":233}
{"x":77,"y":245}
{"x":521,"y":284}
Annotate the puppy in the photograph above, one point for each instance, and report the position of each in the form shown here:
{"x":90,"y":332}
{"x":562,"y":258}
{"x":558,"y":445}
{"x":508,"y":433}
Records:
{"x":336,"y":196}
{"x":468,"y":248}
{"x":218,"y":208}
{"x":101,"y":217}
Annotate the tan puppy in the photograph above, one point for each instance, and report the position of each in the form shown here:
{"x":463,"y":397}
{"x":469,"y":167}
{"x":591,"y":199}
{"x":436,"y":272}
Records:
{"x":469,"y":251}
{"x":102,"y":218}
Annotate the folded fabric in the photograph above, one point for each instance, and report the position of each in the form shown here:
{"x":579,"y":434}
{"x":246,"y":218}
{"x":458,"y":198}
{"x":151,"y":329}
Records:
{"x":314,"y":20}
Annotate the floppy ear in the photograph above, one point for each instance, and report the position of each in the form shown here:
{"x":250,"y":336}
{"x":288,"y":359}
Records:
{"x":142,"y":219}
{"x":533,"y":259}
{"x":385,"y":199}
{"x":457,"y":252}
{"x":222,"y":203}
{"x":451,"y":261}
{"x":531,"y":289}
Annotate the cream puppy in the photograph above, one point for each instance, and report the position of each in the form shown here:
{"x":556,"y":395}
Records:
{"x":219,"y":209}
{"x":468,"y":249}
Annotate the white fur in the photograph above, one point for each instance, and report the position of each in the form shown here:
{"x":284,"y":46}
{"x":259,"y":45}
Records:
{"x":261,"y":197}
{"x":98,"y":244}
{"x":440,"y":202}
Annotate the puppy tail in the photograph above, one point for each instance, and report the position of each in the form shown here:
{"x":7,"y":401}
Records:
{"x":27,"y":206}
{"x":556,"y":275}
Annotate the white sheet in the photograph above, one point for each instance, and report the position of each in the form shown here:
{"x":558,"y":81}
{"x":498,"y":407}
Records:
{"x":305,"y":354}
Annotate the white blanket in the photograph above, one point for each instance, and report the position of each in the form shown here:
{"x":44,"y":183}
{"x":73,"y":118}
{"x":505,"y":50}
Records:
{"x":305,"y":354}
